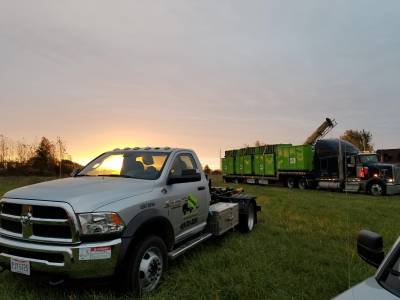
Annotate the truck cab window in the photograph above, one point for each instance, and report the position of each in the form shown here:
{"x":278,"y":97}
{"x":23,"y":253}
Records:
{"x":391,"y":279}
{"x":183,"y":162}
{"x":133,"y":164}
{"x":351,"y":160}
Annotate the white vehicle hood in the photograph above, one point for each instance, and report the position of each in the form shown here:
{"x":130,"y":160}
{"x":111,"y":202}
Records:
{"x":84,"y":194}
{"x":367,"y":290}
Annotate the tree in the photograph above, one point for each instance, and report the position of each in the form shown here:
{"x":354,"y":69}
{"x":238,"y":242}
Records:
{"x":44,"y":159}
{"x":3,"y":150}
{"x":216,"y":172}
{"x":23,"y":152}
{"x":61,"y":148}
{"x":362,"y":139}
{"x":6,"y":150}
{"x":258,"y":143}
{"x":207,"y":170}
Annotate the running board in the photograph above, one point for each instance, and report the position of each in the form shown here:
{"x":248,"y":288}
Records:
{"x":188,"y":245}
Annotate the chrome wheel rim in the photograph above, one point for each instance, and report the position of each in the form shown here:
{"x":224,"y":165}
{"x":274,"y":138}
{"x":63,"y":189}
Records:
{"x":250,"y":218}
{"x":150,"y":269}
{"x":376,"y":189}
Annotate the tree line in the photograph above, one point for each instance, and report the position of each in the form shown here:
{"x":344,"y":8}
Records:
{"x":50,"y":158}
{"x":43,"y":158}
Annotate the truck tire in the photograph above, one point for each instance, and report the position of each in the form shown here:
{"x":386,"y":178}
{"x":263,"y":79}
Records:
{"x":291,"y":182}
{"x":303,"y":184}
{"x":376,"y":189}
{"x":146,"y":263}
{"x":248,"y":220}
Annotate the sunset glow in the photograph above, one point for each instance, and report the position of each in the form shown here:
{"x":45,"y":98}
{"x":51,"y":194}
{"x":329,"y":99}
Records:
{"x":142,"y":76}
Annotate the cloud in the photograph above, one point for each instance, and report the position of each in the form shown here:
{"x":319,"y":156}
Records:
{"x":207,"y":74}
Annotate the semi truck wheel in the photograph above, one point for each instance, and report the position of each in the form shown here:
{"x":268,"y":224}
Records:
{"x":303,"y":184}
{"x":146,"y":265}
{"x":291,"y":182}
{"x":376,"y":189}
{"x":248,"y":220}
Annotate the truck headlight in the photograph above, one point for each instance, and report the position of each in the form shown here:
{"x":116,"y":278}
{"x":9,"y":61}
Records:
{"x":100,"y":223}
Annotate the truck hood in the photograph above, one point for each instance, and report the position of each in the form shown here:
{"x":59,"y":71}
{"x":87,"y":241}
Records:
{"x":84,"y":194}
{"x":379,"y":165}
{"x":366,"y":290}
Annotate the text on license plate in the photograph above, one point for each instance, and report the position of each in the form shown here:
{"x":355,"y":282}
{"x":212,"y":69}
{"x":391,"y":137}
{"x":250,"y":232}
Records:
{"x":20,"y":266}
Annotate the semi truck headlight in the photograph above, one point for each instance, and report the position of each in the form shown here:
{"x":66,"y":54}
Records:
{"x":100,"y":223}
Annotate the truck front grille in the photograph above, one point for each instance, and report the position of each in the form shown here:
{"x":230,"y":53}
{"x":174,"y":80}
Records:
{"x":396,"y":173}
{"x":11,"y":226}
{"x":38,"y":221}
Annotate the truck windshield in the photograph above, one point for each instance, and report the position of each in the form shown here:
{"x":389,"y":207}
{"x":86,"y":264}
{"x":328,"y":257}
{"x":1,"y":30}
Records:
{"x":390,"y":278}
{"x":368,"y":158}
{"x":131,"y":164}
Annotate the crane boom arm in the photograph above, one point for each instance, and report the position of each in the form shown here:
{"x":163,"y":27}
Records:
{"x":321,"y":131}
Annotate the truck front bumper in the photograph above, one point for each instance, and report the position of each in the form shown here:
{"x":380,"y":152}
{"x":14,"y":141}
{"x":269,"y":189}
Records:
{"x":70,"y":261}
{"x":392,"y":189}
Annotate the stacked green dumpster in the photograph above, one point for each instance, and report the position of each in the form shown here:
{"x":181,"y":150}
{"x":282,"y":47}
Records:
{"x":295,"y":158}
{"x":269,"y":164}
{"x":267,"y":160}
{"x":258,"y":164}
{"x":239,"y":165}
{"x":248,"y":164}
{"x":228,"y":162}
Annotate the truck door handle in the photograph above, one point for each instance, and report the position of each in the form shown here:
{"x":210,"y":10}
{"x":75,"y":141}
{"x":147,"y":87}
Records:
{"x":201,"y":188}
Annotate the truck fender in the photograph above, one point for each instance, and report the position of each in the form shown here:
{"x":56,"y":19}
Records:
{"x":138,"y":223}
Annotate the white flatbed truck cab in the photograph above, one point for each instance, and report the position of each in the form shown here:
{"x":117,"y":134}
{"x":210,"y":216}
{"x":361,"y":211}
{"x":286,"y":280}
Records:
{"x":124,"y":214}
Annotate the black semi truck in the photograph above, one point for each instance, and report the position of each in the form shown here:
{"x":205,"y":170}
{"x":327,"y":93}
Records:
{"x":319,"y":163}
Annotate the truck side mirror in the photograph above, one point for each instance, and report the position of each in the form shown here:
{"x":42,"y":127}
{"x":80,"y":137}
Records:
{"x":186,"y":176}
{"x":370,"y":247}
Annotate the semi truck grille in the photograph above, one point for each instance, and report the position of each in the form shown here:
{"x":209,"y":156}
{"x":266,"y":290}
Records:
{"x":396,"y":174}
{"x":40,"y":223}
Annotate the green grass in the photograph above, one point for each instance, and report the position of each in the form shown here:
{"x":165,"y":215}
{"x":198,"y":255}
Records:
{"x":302,"y":248}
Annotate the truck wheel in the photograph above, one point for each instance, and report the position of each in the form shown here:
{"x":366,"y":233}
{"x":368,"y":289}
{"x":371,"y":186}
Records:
{"x":248,"y":220}
{"x":291,"y":182}
{"x":377,"y":189}
{"x":303,"y":184}
{"x":147,"y":262}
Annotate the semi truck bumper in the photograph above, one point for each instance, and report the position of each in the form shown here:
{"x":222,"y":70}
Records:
{"x":86,"y":260}
{"x":392,"y":188}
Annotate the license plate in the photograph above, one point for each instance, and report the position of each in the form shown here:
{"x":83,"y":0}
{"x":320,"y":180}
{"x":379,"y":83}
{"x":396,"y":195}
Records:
{"x":20,"y":266}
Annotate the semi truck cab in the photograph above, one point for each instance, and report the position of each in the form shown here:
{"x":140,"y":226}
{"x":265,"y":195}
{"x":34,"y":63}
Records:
{"x":375,"y":177}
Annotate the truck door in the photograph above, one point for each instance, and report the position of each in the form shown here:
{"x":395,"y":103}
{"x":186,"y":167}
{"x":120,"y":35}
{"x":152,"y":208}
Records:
{"x":351,"y":167}
{"x":188,"y":201}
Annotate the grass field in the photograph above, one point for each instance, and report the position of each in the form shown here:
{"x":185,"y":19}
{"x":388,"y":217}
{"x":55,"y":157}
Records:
{"x":302,"y":248}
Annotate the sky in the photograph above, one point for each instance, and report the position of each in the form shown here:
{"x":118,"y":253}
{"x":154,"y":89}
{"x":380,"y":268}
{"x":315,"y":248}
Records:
{"x":207,"y":75}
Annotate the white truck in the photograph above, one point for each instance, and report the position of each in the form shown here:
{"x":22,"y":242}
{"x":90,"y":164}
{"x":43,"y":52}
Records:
{"x":124,"y":215}
{"x":385,"y":284}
